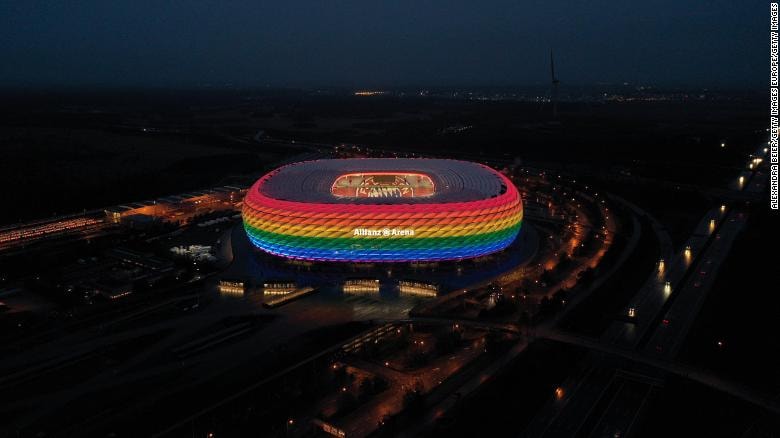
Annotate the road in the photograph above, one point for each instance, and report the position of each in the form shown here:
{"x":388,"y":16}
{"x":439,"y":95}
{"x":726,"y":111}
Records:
{"x":603,"y":399}
{"x":668,"y":337}
{"x":652,"y":296}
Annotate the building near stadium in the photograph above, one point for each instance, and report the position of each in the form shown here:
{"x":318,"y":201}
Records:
{"x":382,"y":210}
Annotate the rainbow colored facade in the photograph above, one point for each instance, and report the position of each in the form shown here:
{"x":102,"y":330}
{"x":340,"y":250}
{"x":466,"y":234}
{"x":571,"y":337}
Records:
{"x":382,"y":210}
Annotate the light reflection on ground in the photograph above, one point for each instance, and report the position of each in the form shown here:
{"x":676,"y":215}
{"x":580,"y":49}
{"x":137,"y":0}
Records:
{"x":388,"y":303}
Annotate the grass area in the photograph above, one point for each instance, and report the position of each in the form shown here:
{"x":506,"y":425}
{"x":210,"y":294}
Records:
{"x":678,"y":212}
{"x":505,"y":405}
{"x":263,"y":410}
{"x":76,"y":169}
{"x":685,"y":408}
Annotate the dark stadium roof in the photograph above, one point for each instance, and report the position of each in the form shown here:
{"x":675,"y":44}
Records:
{"x":455,"y":181}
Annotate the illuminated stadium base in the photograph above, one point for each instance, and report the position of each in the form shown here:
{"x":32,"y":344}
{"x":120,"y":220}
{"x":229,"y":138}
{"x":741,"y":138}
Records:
{"x":382,"y":210}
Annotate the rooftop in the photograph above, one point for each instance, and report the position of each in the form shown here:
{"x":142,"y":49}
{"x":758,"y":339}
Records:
{"x":358,"y":181}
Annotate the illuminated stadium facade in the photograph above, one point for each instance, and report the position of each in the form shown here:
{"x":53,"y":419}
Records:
{"x":382,"y":210}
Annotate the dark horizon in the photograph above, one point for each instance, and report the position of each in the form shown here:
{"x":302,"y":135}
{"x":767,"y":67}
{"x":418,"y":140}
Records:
{"x":32,"y":93}
{"x":353,"y":45}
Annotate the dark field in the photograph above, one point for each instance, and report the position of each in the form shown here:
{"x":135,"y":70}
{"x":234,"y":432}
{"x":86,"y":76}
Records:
{"x":91,"y":150}
{"x":684,"y":408}
{"x":67,"y":170}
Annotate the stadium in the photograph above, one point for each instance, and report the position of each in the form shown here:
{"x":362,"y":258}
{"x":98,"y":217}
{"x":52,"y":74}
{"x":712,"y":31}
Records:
{"x":382,"y":210}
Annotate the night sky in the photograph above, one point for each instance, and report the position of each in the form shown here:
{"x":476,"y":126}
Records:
{"x":372,"y":44}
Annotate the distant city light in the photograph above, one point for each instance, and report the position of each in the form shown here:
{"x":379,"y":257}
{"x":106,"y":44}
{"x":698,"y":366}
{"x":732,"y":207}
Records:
{"x":369,"y":93}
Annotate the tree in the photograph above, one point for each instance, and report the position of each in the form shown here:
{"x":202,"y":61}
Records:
{"x":347,"y":402}
{"x":418,"y":358}
{"x":496,"y":342}
{"x":414,"y":402}
{"x":371,"y":386}
{"x":340,"y":376}
{"x":448,"y":341}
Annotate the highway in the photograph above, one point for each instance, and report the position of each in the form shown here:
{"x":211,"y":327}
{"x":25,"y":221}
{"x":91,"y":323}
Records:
{"x":628,"y":362}
{"x":667,"y":338}
{"x":650,"y":299}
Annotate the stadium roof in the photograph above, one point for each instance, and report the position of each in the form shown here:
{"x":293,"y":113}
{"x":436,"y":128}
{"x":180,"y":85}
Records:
{"x":454,"y":181}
